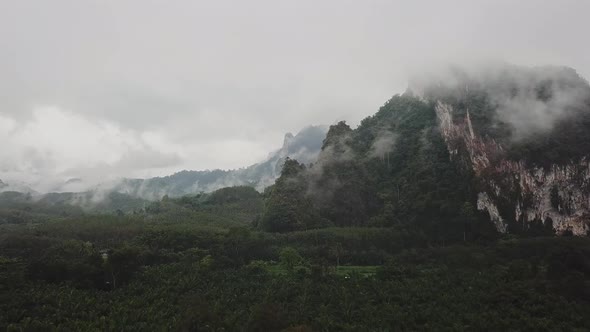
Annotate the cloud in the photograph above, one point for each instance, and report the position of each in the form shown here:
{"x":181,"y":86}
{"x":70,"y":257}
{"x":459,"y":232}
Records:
{"x":54,"y":145}
{"x":529,"y":99}
{"x":218,"y":83}
{"x":538,"y":98}
{"x":383,"y":144}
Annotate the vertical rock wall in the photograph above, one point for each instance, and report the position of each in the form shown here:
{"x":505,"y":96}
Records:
{"x":559,"y":194}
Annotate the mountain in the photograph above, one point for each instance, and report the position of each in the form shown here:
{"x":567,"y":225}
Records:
{"x":531,"y":158}
{"x":16,"y":186}
{"x":71,"y":203}
{"x":465,"y":154}
{"x":304,"y":146}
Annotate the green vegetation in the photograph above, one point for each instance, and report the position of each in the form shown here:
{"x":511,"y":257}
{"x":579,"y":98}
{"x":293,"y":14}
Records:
{"x":227,"y":206}
{"x":394,"y":170}
{"x":136,"y":274}
{"x":179,"y":265}
{"x":288,"y":207}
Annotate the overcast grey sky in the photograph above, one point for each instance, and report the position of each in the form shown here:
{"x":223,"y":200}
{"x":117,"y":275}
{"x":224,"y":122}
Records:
{"x":141,"y":88}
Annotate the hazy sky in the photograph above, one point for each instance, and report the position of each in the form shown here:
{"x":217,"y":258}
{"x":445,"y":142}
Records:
{"x":138,"y":88}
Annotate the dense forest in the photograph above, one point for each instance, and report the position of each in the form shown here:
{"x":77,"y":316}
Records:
{"x":181,"y":265}
{"x":383,"y":232}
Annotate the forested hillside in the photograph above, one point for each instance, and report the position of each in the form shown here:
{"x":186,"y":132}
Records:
{"x":456,"y":160}
{"x":394,"y":170}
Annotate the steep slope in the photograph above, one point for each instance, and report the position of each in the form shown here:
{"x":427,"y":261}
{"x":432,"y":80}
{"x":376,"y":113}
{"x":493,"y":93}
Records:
{"x":535,"y":173}
{"x":393,"y":170}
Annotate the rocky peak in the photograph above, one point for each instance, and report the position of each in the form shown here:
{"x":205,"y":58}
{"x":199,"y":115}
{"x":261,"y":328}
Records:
{"x":287,"y":140}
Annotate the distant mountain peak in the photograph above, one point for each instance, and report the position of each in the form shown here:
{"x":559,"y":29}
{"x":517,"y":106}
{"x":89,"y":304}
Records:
{"x":288,"y":139}
{"x":16,"y":186}
{"x":303,"y":146}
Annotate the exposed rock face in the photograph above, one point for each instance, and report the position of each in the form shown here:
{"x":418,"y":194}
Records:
{"x":485,"y":203}
{"x":560,"y":194}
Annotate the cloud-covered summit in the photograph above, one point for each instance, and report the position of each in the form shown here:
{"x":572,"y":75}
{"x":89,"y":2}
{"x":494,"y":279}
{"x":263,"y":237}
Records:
{"x":529,"y":100}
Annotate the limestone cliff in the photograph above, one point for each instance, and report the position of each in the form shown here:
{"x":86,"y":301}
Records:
{"x":511,"y":191}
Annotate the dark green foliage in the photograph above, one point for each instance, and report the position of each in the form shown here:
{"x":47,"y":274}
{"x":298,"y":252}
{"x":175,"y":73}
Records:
{"x":231,"y":206}
{"x":52,"y":204}
{"x":122,"y":262}
{"x":568,"y":140}
{"x":70,"y":260}
{"x":337,"y":136}
{"x":288,"y":208}
{"x":290,"y":258}
{"x":394,"y":170}
{"x":188,"y":277}
{"x":15,"y":206}
{"x":232,"y":195}
{"x":138,"y":273}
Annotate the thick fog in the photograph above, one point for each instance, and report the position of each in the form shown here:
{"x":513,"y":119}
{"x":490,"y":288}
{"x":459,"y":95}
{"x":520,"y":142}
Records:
{"x":106,"y":89}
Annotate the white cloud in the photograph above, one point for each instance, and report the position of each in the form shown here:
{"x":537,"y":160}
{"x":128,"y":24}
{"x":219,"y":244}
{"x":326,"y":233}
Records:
{"x":218,"y":83}
{"x":53,"y":145}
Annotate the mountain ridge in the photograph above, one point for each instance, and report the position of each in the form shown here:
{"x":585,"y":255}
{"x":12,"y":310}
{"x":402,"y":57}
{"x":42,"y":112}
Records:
{"x":304,"y":146}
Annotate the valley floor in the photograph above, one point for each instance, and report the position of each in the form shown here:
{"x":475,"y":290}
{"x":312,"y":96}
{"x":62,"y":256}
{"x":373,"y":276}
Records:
{"x":123,"y":274}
